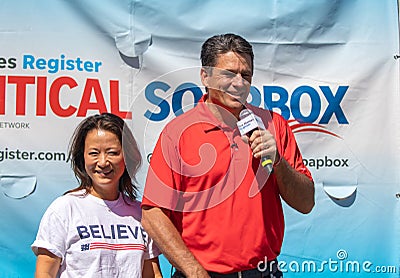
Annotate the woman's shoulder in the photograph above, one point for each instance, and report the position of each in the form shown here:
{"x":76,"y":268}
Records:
{"x":134,"y":207}
{"x":68,"y":198}
{"x":134,"y":204}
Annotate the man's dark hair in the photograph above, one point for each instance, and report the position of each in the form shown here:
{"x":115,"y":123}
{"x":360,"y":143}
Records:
{"x":221,"y":44}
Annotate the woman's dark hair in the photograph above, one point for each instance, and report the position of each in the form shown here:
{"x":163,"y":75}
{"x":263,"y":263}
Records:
{"x":221,"y":44}
{"x":117,"y":126}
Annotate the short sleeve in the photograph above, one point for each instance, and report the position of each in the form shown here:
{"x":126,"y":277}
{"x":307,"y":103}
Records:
{"x":52,"y":233}
{"x":152,"y":250}
{"x":163,"y":181}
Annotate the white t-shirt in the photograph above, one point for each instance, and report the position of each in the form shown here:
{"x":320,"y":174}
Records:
{"x":95,"y":237}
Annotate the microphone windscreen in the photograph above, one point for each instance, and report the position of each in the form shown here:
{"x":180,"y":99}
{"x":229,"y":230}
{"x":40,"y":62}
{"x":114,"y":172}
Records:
{"x":244,"y":113}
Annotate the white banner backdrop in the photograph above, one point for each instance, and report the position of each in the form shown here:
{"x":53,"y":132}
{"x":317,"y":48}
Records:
{"x":330,"y":67}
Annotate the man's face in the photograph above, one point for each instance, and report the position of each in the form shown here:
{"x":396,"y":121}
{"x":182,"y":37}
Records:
{"x":229,"y":81}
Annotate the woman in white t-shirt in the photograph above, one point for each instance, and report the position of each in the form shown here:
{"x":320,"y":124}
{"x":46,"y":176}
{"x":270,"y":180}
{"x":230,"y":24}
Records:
{"x":94,"y":230}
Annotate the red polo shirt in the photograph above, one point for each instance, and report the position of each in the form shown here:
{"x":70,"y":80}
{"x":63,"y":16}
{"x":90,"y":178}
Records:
{"x":224,"y":205}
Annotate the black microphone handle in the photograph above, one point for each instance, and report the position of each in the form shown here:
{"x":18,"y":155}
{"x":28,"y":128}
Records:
{"x":267,"y":163}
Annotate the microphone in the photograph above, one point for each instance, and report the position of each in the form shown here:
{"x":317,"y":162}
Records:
{"x":247,"y":124}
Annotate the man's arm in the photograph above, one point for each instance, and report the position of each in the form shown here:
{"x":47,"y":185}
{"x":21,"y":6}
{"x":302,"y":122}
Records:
{"x":295,"y":188}
{"x":166,"y":236}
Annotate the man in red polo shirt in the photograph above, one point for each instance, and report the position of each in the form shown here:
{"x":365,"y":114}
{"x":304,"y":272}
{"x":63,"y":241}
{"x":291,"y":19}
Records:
{"x":210,"y":206}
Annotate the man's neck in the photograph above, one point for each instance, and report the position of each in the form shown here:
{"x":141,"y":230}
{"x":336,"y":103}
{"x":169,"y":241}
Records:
{"x":222,"y":114}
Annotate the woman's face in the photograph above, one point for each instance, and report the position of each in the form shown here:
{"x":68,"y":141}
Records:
{"x":104,"y":163}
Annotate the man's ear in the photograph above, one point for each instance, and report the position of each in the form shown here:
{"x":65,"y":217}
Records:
{"x":205,"y":77}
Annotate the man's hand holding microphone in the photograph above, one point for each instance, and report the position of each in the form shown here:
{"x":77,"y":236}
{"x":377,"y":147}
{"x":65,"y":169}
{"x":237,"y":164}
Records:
{"x":260,"y":140}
